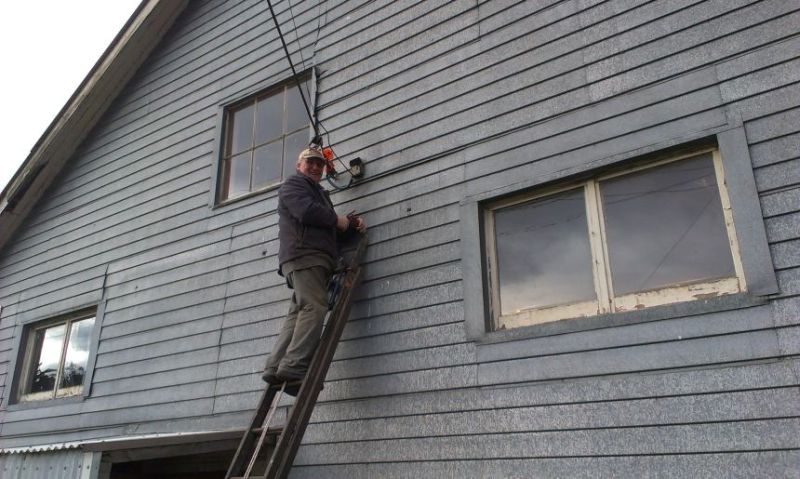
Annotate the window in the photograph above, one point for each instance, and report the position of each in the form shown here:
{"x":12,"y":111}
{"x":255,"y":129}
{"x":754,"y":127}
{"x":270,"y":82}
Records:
{"x":646,"y":236}
{"x":262,"y":137}
{"x":55,"y":358}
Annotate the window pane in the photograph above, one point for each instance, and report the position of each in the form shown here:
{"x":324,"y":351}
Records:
{"x":543,"y":253}
{"x":267,"y":164}
{"x":239,"y":182}
{"x":269,"y":119}
{"x":77,"y":354}
{"x":46,"y":356}
{"x":665,"y":226}
{"x":295,"y":143}
{"x":295,"y":109}
{"x":241,"y":131}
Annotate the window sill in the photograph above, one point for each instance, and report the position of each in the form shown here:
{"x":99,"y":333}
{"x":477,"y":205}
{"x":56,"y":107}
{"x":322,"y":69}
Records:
{"x":242,"y":200}
{"x":22,"y":406}
{"x":610,"y":320}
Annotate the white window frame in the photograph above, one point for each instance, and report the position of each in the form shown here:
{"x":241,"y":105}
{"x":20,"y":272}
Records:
{"x":27,"y":365}
{"x":606,"y":301}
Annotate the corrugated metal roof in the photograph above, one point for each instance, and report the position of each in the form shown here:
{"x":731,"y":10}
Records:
{"x":129,"y":442}
{"x":61,"y":446}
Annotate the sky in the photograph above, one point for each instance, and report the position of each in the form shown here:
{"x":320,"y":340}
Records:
{"x":47,"y":47}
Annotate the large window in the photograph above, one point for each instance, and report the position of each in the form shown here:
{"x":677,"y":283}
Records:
{"x":646,"y":236}
{"x":262,"y":137}
{"x":55,"y":358}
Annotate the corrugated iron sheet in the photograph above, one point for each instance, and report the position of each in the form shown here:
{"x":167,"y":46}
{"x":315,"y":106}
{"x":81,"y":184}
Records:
{"x":65,"y":464}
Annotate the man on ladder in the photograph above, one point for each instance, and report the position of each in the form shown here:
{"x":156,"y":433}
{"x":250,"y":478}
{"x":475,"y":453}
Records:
{"x":309,"y":230}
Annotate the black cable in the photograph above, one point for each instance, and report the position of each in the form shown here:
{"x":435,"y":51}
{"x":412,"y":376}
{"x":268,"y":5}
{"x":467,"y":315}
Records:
{"x":300,"y":89}
{"x":291,"y":65}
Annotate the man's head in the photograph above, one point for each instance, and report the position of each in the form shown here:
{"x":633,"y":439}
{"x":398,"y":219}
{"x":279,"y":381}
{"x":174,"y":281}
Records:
{"x":311,"y":163}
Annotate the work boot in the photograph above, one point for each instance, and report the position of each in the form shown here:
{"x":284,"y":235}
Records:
{"x":285,"y":375}
{"x":270,"y":377}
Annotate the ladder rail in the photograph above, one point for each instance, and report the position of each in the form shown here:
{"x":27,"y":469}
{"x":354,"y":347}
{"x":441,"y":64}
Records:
{"x":289,"y":441}
{"x":272,"y":409}
{"x":245,"y":448}
{"x":282,"y":456}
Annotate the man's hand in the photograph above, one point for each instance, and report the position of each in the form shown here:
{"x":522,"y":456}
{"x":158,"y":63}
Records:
{"x":342,"y":223}
{"x":360,"y":225}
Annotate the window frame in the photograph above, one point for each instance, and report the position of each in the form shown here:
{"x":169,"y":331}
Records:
{"x":26,"y":357}
{"x":731,"y":140}
{"x":606,"y":301}
{"x":221,"y":170}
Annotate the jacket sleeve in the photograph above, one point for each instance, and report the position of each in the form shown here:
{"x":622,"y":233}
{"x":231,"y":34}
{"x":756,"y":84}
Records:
{"x":297,"y":196}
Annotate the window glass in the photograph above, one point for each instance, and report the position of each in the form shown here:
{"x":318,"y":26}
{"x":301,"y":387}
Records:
{"x":47,"y":345}
{"x":267,"y":164}
{"x":295,"y":143}
{"x":665,"y":226}
{"x":240,"y":175}
{"x":77,"y":354}
{"x":618,"y":242}
{"x":269,"y":119}
{"x":296,"y":116}
{"x":543,"y":253}
{"x":264,"y":136}
{"x":241,"y":130}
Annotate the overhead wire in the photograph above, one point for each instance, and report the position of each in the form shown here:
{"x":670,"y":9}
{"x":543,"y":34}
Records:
{"x":291,"y":65}
{"x":315,"y":124}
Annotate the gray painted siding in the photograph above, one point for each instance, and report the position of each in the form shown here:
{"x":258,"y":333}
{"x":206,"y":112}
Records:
{"x":445,"y":100}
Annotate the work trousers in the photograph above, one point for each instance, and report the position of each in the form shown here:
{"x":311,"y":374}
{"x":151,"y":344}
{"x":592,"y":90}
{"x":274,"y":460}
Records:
{"x":302,"y":329}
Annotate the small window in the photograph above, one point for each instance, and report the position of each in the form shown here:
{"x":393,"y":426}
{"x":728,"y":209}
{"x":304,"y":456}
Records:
{"x":55,"y":358}
{"x":263,"y":136}
{"x":647,"y":236}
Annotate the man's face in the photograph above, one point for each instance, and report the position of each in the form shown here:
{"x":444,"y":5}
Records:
{"x":312,"y":168}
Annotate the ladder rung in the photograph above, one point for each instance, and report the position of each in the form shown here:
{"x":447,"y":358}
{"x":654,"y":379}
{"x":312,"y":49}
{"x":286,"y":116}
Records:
{"x":273,"y":431}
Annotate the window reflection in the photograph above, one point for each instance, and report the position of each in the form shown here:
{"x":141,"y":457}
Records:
{"x":665,"y":226}
{"x":267,"y":164}
{"x":77,"y":353}
{"x":56,"y":360}
{"x":543,"y":253}
{"x":48,"y":343}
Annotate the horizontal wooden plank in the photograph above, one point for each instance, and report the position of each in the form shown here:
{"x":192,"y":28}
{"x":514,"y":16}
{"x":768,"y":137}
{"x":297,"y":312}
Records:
{"x":786,"y":254}
{"x":671,"y":354}
{"x":781,"y":202}
{"x":783,"y":228}
{"x":774,"y":464}
{"x":700,"y":438}
{"x":700,"y":381}
{"x":748,"y":405}
{"x":620,"y":334}
{"x":779,"y":175}
{"x":773,"y":126}
{"x":124,"y":416}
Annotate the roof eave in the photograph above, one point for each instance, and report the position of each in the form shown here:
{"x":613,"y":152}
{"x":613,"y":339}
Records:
{"x":133,"y":44}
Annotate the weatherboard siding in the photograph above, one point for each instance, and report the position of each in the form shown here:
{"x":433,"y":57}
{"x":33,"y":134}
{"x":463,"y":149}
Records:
{"x":444,"y":100}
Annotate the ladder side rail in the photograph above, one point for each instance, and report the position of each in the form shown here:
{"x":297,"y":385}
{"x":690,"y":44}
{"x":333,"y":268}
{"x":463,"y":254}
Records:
{"x":292,"y":434}
{"x":246,"y":445}
{"x":289,"y":441}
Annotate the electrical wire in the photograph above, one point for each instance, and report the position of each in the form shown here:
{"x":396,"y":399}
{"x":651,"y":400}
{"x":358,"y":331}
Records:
{"x":314,"y":124}
{"x":291,"y":65}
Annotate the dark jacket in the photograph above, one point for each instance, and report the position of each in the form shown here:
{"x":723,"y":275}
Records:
{"x":306,"y":220}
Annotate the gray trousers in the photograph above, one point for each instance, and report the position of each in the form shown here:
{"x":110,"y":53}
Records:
{"x":302,"y":328}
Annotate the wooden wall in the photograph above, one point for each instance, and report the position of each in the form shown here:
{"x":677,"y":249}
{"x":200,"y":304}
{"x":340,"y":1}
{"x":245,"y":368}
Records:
{"x":444,"y":100}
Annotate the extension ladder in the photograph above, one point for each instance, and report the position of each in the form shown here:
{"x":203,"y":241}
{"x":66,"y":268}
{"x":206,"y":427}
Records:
{"x":289,"y":437}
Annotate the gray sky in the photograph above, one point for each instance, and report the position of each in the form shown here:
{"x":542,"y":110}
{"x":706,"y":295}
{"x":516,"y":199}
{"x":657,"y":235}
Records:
{"x":47,"y":47}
